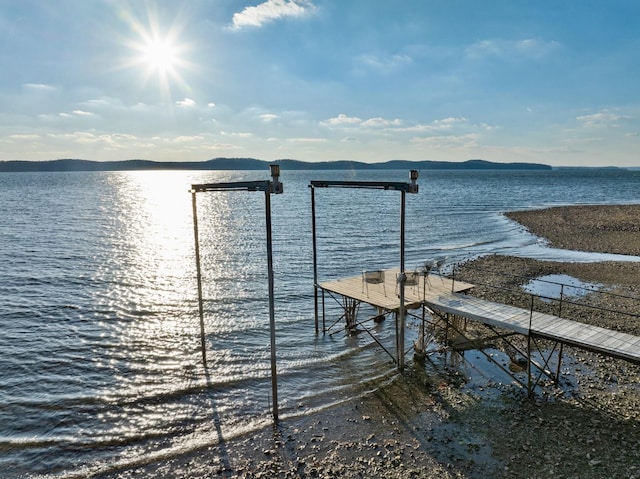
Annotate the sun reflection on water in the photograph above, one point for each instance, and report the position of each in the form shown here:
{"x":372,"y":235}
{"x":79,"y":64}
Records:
{"x":151,"y":302}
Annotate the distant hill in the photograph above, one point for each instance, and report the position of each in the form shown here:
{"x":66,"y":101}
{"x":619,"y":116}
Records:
{"x":253,"y":164}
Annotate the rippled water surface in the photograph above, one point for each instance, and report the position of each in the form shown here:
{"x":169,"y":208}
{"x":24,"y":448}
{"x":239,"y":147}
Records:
{"x":100,"y":359}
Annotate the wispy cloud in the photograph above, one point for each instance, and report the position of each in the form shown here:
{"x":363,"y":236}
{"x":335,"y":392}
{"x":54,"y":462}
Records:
{"x":399,"y":125}
{"x":467,"y":140}
{"x":271,"y":10}
{"x":238,"y":134}
{"x":601,"y":119}
{"x":24,"y":137}
{"x":346,"y":121}
{"x":385,"y":64}
{"x":186,"y":139}
{"x":87,"y":137}
{"x":437,"y":125}
{"x":39,"y":87}
{"x":306,"y":140}
{"x":531,"y":48}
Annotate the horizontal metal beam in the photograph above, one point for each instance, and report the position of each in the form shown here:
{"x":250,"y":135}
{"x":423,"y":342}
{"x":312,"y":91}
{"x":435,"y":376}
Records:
{"x":263,"y":185}
{"x":376,"y":185}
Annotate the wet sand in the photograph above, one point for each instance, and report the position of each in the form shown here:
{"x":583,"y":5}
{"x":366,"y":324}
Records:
{"x":428,"y":424}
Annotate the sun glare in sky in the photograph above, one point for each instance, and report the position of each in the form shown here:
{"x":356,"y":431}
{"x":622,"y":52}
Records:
{"x":158,"y":52}
{"x":160,"y":55}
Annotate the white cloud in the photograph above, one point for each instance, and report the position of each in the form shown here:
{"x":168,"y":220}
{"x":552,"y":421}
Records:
{"x":186,"y":103}
{"x":237,"y":134}
{"x":268,"y":117}
{"x":98,"y":102}
{"x":271,"y":10}
{"x":123,"y":136}
{"x":450,"y":121}
{"x":83,"y":113}
{"x":343,"y":119}
{"x":398,"y":125}
{"x":601,"y":119}
{"x":381,"y":122}
{"x":439,"y":125}
{"x":186,"y":139}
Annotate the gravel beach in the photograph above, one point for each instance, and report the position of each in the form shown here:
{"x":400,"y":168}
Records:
{"x":428,"y":423}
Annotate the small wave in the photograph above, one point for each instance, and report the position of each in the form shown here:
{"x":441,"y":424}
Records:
{"x":183,"y":446}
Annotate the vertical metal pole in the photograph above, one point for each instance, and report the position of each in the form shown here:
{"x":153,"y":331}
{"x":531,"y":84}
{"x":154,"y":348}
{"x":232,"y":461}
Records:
{"x":453,"y":279}
{"x":272,"y":319}
{"x":402,"y":281}
{"x":396,"y":315}
{"x":199,"y":277}
{"x":529,"y":384}
{"x":324,"y":312}
{"x":315,"y":258}
{"x":422,"y":346}
{"x":560,"y":305}
{"x":559,"y":365}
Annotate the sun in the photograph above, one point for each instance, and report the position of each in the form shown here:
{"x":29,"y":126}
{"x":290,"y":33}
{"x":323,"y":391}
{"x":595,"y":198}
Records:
{"x":160,"y":55}
{"x":157,"y":50}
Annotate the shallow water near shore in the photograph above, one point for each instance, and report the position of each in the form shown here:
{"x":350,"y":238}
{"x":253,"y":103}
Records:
{"x":101,"y":361}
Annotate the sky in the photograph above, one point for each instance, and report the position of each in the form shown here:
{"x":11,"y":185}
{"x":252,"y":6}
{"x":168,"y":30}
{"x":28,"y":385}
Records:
{"x":545,"y":81}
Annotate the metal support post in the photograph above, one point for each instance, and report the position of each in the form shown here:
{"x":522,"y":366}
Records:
{"x":402,"y":280}
{"x":272,"y":321}
{"x":529,"y":383}
{"x":315,"y":257}
{"x":199,"y":277}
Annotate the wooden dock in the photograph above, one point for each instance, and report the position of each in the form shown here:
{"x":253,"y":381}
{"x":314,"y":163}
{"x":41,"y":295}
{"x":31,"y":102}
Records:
{"x":443,"y":297}
{"x":385,"y":295}
{"x":545,"y":326}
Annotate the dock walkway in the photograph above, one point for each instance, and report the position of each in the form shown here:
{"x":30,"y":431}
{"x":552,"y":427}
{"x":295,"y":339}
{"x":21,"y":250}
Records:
{"x":546,"y":326}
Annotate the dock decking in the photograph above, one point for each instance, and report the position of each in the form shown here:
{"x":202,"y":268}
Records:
{"x":523,"y":321}
{"x":384,"y":295}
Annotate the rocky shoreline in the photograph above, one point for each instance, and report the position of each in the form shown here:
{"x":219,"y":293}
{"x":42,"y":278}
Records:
{"x":596,"y":228}
{"x":429,"y":424}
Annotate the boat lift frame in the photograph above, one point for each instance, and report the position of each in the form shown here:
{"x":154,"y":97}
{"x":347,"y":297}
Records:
{"x":404,"y":188}
{"x":268,"y":187}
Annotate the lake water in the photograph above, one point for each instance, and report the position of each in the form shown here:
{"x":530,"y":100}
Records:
{"x":100,"y":359}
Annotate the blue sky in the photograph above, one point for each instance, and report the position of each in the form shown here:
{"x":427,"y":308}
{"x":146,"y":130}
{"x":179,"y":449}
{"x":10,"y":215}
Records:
{"x":554,"y":82}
